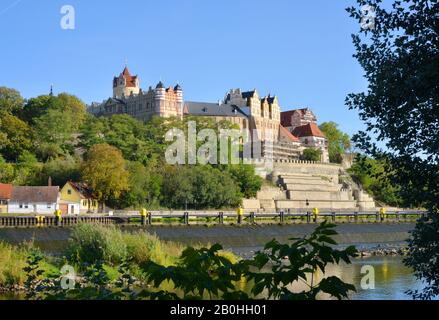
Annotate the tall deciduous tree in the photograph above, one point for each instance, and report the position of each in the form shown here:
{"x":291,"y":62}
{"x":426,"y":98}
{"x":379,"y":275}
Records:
{"x":104,"y":170}
{"x":15,"y":137}
{"x":338,"y":141}
{"x":10,"y":100}
{"x":399,"y":52}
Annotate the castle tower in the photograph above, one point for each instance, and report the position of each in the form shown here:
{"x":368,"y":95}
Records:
{"x":160,"y":99}
{"x":125,"y":84}
{"x":179,"y":94}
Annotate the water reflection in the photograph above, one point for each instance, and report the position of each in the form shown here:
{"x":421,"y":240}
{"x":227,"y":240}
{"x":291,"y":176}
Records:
{"x":392,"y":279}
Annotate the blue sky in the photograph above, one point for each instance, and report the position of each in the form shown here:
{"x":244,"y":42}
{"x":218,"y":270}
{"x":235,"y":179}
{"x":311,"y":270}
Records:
{"x":298,"y":50}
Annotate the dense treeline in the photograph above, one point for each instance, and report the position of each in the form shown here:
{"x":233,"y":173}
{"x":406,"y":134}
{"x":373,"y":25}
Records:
{"x":120,"y":157}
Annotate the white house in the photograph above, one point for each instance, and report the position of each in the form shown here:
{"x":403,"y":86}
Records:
{"x":41,"y":200}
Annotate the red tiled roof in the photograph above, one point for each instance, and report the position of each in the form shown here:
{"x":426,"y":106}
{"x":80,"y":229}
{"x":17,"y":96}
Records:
{"x":130,"y":80}
{"x":308,"y":130}
{"x":285,"y":117}
{"x":289,"y":134}
{"x":5,"y":191}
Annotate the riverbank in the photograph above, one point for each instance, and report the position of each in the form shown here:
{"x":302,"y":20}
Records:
{"x":364,"y":236}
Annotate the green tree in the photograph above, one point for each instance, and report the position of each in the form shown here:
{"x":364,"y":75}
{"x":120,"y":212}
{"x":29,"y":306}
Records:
{"x":10,"y":101}
{"x":55,"y":133}
{"x":36,"y":107}
{"x":198,"y":187}
{"x":60,"y":170}
{"x":372,"y":175}
{"x":17,"y":137}
{"x":27,"y":169}
{"x":144,"y":187}
{"x":400,"y":57}
{"x":311,"y":154}
{"x":338,"y":142}
{"x":104,"y":171}
{"x":245,"y":177}
{"x":6,"y":171}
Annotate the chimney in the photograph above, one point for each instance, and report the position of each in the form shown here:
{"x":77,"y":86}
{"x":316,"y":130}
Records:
{"x":49,"y":181}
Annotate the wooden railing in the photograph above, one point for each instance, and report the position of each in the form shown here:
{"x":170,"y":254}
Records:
{"x":219,"y":218}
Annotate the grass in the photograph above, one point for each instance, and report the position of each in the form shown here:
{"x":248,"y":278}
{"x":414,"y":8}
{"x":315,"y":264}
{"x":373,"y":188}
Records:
{"x":92,"y":243}
{"x":13,"y":260}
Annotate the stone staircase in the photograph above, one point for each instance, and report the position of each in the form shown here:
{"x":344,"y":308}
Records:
{"x":316,"y":191}
{"x":300,"y":187}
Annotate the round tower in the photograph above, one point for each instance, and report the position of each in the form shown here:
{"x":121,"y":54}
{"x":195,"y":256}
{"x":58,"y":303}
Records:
{"x":179,"y":93}
{"x":160,"y":99}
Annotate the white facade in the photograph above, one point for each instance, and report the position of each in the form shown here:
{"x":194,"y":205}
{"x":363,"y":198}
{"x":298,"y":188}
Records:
{"x":34,"y":208}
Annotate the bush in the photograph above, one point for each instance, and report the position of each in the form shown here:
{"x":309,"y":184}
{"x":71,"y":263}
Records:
{"x":311,"y":154}
{"x":143,"y":247}
{"x":90,"y":243}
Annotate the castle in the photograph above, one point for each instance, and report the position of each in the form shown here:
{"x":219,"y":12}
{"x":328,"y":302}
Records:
{"x":129,"y":98}
{"x":291,"y":131}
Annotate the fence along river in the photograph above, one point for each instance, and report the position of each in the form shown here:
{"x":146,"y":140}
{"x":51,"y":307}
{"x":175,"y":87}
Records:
{"x":186,"y":218}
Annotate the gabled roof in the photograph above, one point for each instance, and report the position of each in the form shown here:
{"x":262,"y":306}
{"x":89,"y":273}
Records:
{"x":83,"y":189}
{"x":285,"y":117}
{"x":308,"y":130}
{"x":130,"y":80}
{"x":212,"y":109}
{"x":292,"y":137}
{"x":5,"y":191}
{"x":35,"y":194}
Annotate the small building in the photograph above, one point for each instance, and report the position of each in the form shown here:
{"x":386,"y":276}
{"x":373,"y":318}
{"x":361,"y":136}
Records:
{"x":78,"y":198}
{"x":5,"y":197}
{"x":37,"y":200}
{"x":312,"y":137}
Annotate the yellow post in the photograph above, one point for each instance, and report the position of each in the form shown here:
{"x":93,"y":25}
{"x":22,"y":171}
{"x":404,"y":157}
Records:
{"x":58,"y":216}
{"x":144,"y":214}
{"x":315,"y":213}
{"x":240,"y":213}
{"x":383,"y":213}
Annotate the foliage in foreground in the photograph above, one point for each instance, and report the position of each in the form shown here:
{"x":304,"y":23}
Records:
{"x":400,"y":58}
{"x":209,"y":273}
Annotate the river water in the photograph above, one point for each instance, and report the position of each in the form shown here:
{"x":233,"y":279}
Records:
{"x":391,"y":278}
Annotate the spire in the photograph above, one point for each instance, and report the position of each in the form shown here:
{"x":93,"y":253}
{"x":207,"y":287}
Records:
{"x":125,"y":71}
{"x":51,"y":90}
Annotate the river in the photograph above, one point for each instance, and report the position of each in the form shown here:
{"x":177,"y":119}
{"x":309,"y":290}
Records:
{"x":390,"y":276}
{"x":392,"y":279}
